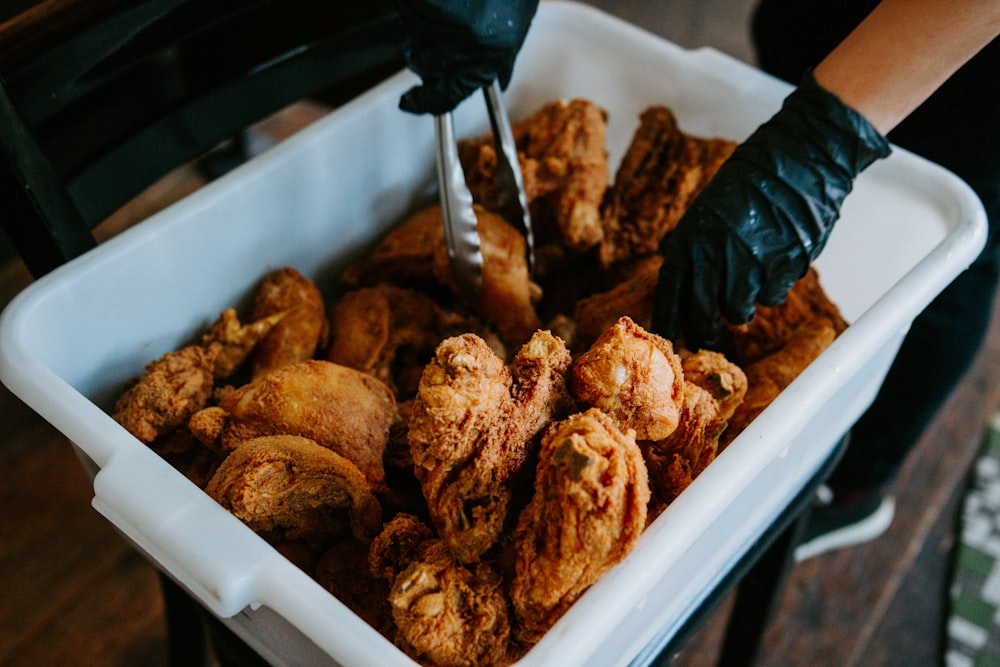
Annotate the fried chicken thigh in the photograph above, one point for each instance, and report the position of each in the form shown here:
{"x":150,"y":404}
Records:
{"x":342,"y":409}
{"x":415,"y":254}
{"x":588,"y":511}
{"x":473,"y":426}
{"x":291,"y":484}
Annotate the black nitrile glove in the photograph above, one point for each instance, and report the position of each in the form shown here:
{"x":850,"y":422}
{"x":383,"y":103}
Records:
{"x":765,"y":216}
{"x":460,"y":46}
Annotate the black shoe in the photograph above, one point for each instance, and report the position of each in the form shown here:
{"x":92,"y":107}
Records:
{"x":835,"y":526}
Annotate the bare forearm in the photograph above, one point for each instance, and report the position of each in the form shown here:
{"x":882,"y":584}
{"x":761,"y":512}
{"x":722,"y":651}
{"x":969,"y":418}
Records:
{"x":903,"y":52}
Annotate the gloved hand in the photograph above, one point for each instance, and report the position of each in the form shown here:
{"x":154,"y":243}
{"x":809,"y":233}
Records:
{"x":765,"y":216}
{"x":460,"y":46}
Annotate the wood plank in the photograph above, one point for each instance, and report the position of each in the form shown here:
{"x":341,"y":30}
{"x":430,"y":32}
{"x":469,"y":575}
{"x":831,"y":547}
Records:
{"x":55,"y":547}
{"x":117,"y":620}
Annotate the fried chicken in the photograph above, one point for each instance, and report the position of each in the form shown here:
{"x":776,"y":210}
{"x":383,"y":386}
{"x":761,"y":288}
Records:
{"x":767,"y":377}
{"x":342,"y":409}
{"x":415,"y":254}
{"x":473,"y":426}
{"x":302,"y":329}
{"x":232,"y":342}
{"x":721,"y":378}
{"x":391,"y":332}
{"x":564,"y":166}
{"x":631,"y":297}
{"x":588,"y":511}
{"x":633,"y":376}
{"x":343,"y":570}
{"x":772,"y":326}
{"x":172,"y":388}
{"x":448,"y":614}
{"x":661,"y":173}
{"x":673,"y":463}
{"x":291,"y":486}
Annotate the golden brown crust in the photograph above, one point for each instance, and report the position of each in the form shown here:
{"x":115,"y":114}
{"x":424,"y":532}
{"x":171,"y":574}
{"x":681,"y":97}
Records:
{"x":301,"y":330}
{"x":233,"y":342}
{"x":473,"y":427}
{"x":291,"y":484}
{"x":633,"y":376}
{"x":769,"y":376}
{"x":661,"y":173}
{"x":173,"y":388}
{"x":588,"y":510}
{"x":448,"y":614}
{"x":564,"y":166}
{"x":342,"y":409}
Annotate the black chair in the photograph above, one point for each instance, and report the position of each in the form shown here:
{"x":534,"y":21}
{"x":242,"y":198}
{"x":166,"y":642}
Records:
{"x":100,"y":99}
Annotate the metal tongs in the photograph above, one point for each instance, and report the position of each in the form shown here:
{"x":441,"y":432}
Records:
{"x":460,"y":228}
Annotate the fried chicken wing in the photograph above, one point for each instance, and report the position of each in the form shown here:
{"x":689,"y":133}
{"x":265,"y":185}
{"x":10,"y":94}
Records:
{"x":233,"y":342}
{"x":768,"y":376}
{"x":773,"y":326}
{"x":342,"y":409}
{"x":633,"y":376}
{"x":473,"y":427}
{"x":290,"y":484}
{"x":564,"y":165}
{"x":301,"y":330}
{"x":661,"y":173}
{"x":588,"y":510}
{"x":172,"y":388}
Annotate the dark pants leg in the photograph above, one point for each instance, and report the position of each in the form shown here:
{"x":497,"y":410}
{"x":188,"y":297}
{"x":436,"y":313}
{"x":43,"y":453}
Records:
{"x":958,"y":128}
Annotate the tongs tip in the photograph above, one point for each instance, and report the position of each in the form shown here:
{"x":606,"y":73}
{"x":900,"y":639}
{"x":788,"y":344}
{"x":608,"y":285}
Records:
{"x":458,"y":216}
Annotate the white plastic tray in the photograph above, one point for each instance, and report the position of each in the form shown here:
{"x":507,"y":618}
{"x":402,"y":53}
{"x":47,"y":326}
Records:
{"x":70,"y":340}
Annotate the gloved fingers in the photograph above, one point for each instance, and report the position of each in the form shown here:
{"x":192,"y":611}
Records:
{"x":782,"y":274}
{"x":438,"y":95}
{"x":702,"y":322}
{"x":668,"y":303}
{"x":741,"y":283}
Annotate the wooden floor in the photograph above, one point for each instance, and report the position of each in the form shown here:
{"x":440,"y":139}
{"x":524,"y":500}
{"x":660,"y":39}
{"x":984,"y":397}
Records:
{"x":74,"y":593}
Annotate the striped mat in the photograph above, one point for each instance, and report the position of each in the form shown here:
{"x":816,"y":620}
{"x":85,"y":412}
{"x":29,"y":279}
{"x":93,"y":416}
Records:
{"x":973,"y":631}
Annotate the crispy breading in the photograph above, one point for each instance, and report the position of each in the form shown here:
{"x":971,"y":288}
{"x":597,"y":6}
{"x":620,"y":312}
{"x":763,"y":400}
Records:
{"x":564,"y":166}
{"x":448,"y":614}
{"x":635,"y":377}
{"x":587,"y":512}
{"x":292,"y":485}
{"x":473,"y":426}
{"x":414,"y":254}
{"x":767,"y":377}
{"x":345,"y":410}
{"x":661,"y":173}
{"x":172,"y":388}
{"x":302,"y":329}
